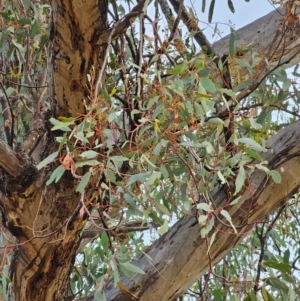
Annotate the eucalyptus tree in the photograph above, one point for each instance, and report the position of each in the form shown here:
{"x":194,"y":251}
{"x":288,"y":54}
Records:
{"x":113,"y":123}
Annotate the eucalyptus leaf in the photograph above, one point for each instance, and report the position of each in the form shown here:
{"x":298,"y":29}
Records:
{"x":240,"y":180}
{"x":83,"y":182}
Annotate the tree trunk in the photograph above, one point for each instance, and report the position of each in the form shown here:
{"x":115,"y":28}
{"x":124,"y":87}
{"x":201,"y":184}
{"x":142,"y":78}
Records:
{"x":46,"y":220}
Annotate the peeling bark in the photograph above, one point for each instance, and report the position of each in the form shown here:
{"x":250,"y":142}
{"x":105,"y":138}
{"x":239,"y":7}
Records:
{"x":76,"y":28}
{"x":45,"y":221}
{"x":13,"y":166}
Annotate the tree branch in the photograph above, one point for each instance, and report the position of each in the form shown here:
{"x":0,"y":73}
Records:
{"x":124,"y":23}
{"x":90,"y":232}
{"x":260,"y":34}
{"x":187,"y":256}
{"x":191,"y":24}
{"x":13,"y":166}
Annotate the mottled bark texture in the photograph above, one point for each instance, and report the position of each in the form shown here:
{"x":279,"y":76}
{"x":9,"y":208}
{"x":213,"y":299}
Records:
{"x":45,"y":220}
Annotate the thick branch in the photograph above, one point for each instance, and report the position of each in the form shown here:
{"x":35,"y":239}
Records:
{"x":260,"y":34}
{"x":172,"y":23}
{"x":184,"y":252}
{"x":13,"y":165}
{"x":91,"y":232}
{"x":124,"y":23}
{"x":191,"y":24}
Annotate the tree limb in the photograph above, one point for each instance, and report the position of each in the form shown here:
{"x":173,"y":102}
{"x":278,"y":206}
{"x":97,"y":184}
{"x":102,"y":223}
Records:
{"x":191,"y":24}
{"x":187,"y":256}
{"x":124,"y":23}
{"x":13,"y":166}
{"x":260,"y":34}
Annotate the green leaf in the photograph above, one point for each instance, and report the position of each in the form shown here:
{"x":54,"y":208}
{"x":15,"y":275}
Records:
{"x":204,"y":206}
{"x":199,"y":63}
{"x":152,"y":179}
{"x":111,"y":176}
{"x":61,"y":125}
{"x":244,"y":84}
{"x":253,"y":144}
{"x":141,"y":177}
{"x":240,"y":179}
{"x":211,"y":240}
{"x":132,"y":268}
{"x":286,"y":84}
{"x":266,"y":296}
{"x":118,"y":158}
{"x":251,"y":297}
{"x":231,"y":42}
{"x":106,"y":96}
{"x":47,"y":160}
{"x":56,"y":174}
{"x":207,"y":105}
{"x":143,"y":157}
{"x":89,"y":154}
{"x":276,"y":177}
{"x":164,"y":228}
{"x":189,"y":107}
{"x":228,"y":217}
{"x":286,"y":256}
{"x":161,"y":207}
{"x":87,"y":163}
{"x":211,"y":11}
{"x":280,"y":266}
{"x":200,"y":112}
{"x":228,"y":92}
{"x":83,"y":182}
{"x":157,"y":149}
{"x":129,"y":199}
{"x":262,"y":116}
{"x":104,"y":241}
{"x":208,"y":84}
{"x":231,"y":7}
{"x":277,"y":283}
{"x":10,"y":90}
{"x":115,"y":270}
{"x":235,"y":201}
{"x":133,"y":112}
{"x":202,"y":219}
{"x":253,"y":154}
{"x":262,"y":167}
{"x":216,"y":120}
{"x":208,"y":146}
{"x":203,"y":5}
{"x":154,"y":59}
{"x":99,"y":295}
{"x":19,"y":46}
{"x":111,"y":116}
{"x":221,"y":177}
{"x":219,"y":294}
{"x":179,"y":69}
